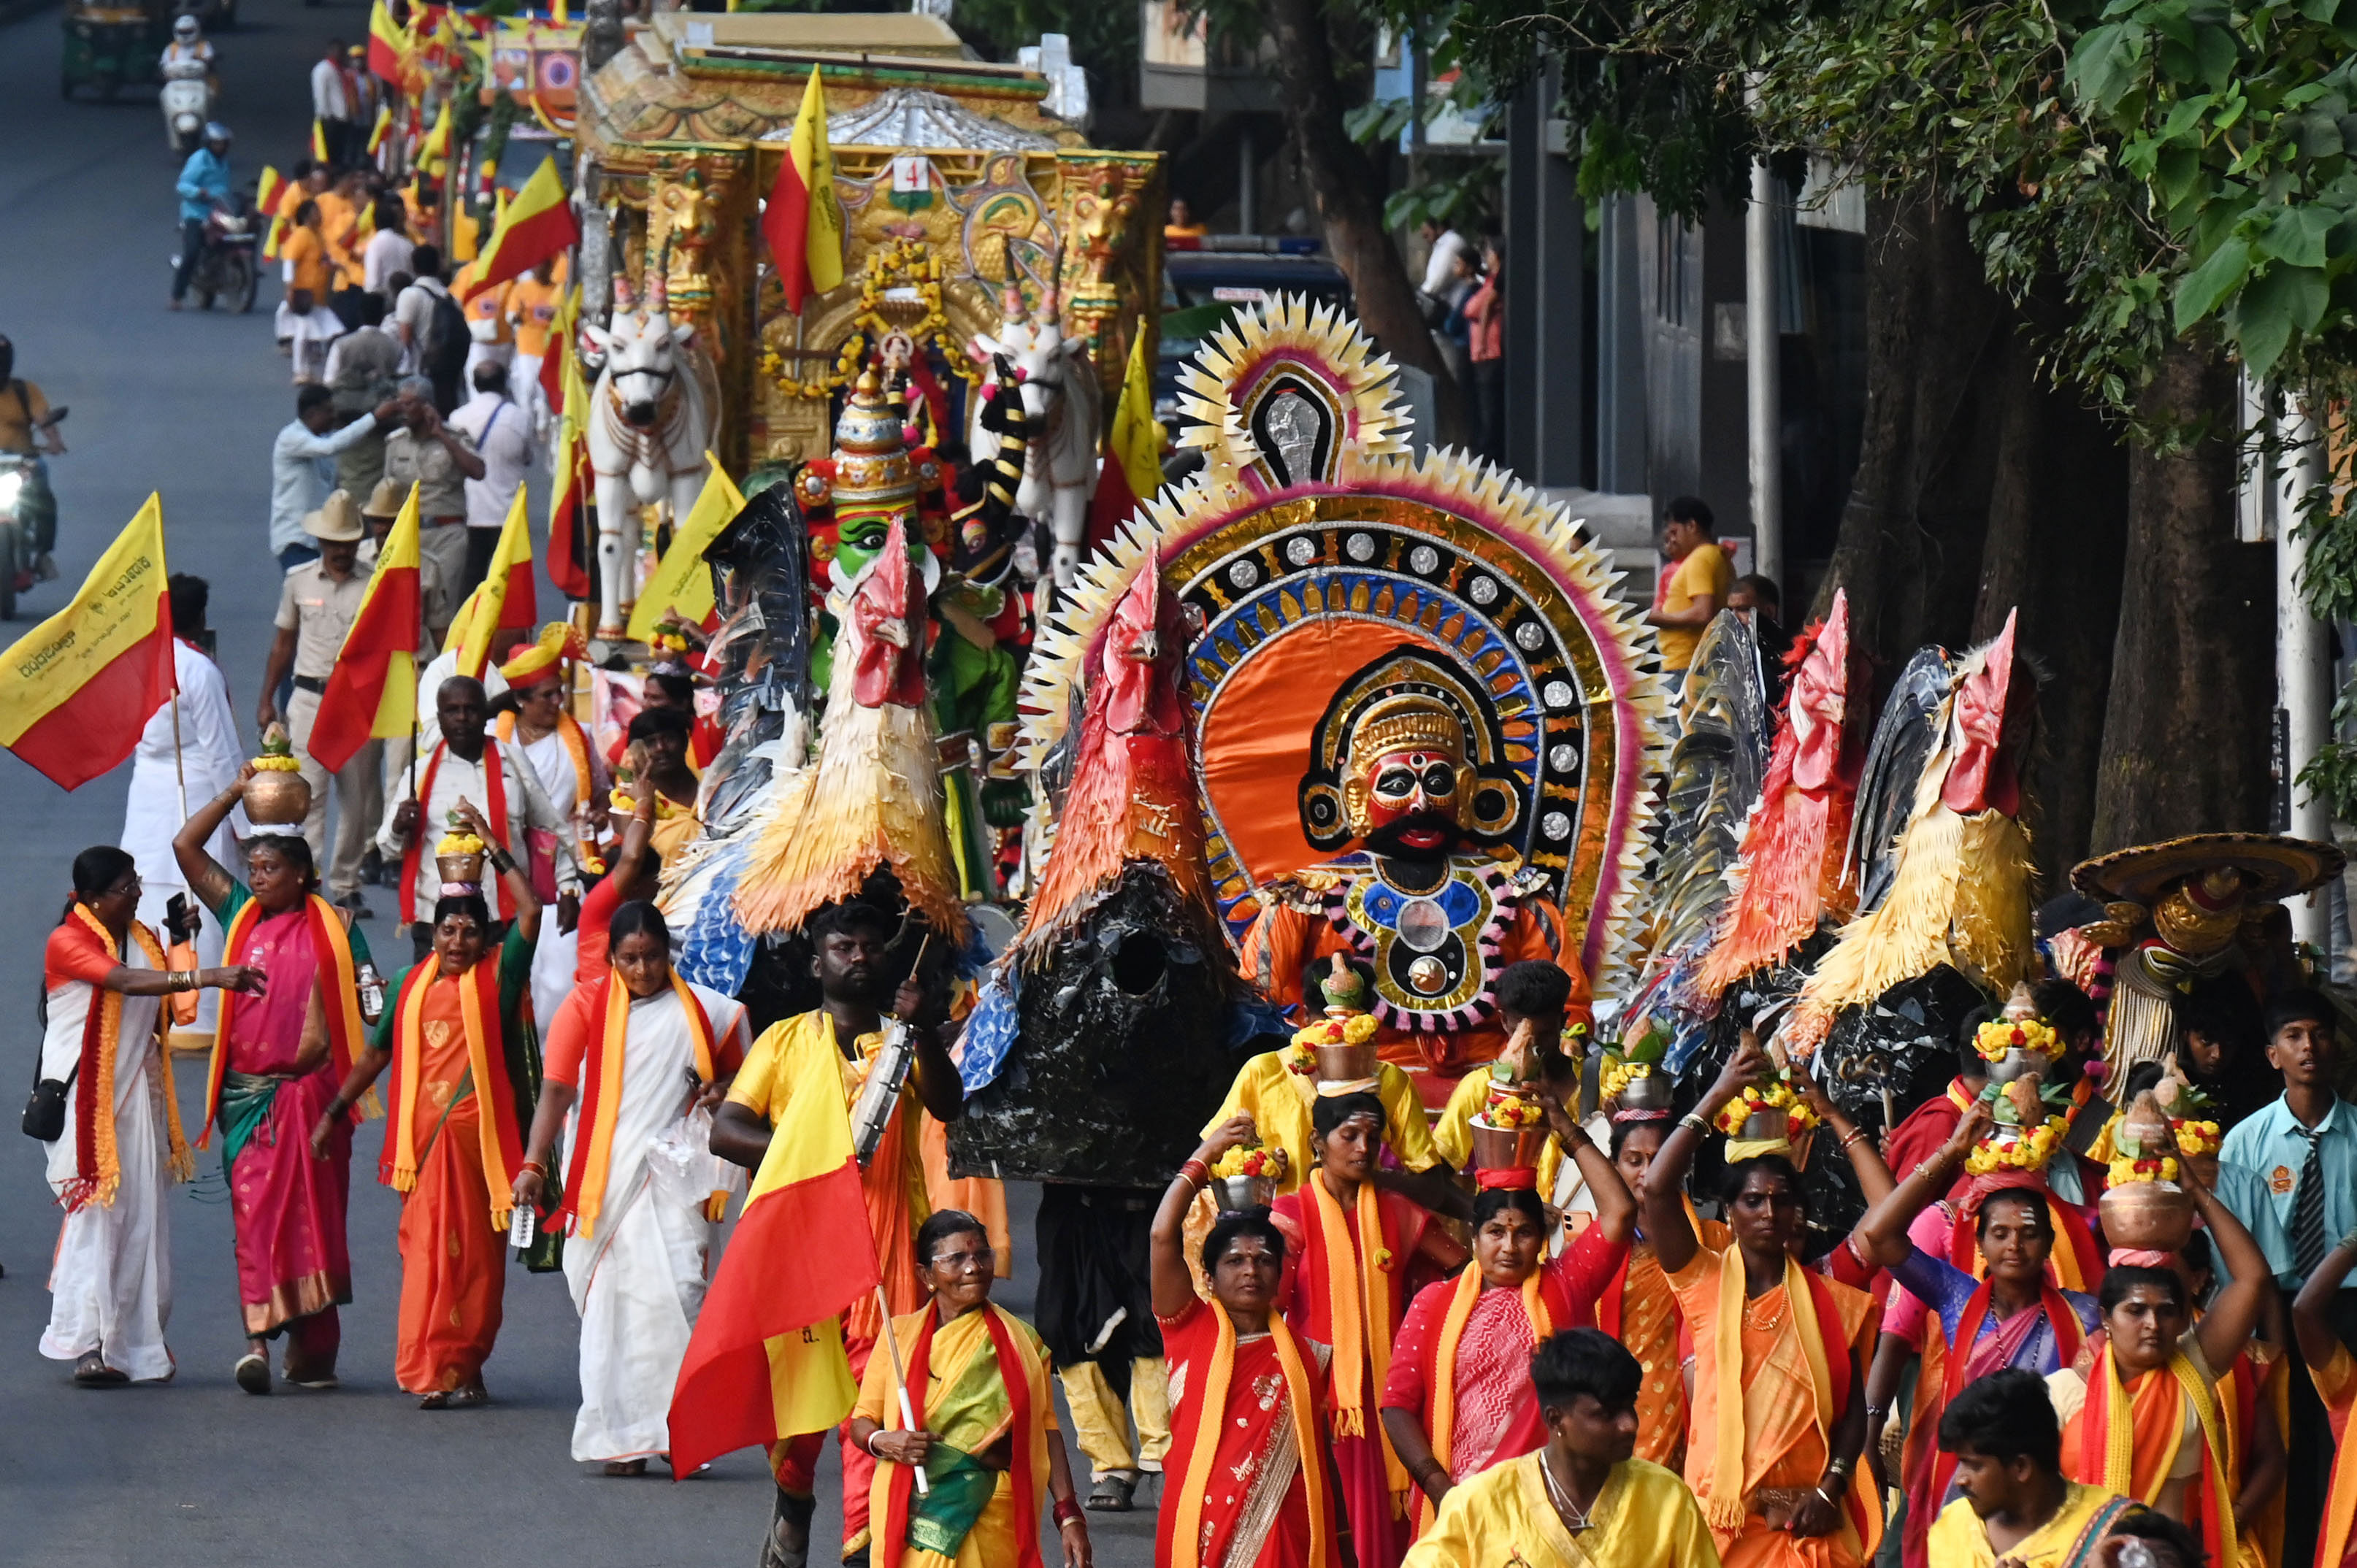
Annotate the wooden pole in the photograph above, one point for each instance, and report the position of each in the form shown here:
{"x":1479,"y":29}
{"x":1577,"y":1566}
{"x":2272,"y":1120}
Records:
{"x":901,"y":1383}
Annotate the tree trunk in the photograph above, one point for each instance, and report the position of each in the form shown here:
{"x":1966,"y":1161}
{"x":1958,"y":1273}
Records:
{"x":1350,"y":199}
{"x":2188,"y":728}
{"x":1981,"y":490}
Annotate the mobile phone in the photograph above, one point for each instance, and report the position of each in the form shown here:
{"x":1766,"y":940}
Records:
{"x":180,"y":919}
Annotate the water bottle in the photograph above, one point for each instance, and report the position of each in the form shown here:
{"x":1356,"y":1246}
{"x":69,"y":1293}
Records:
{"x":371,"y":994}
{"x":521,"y":1226}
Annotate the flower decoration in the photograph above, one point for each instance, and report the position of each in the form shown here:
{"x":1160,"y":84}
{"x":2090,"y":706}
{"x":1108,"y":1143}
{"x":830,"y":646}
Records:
{"x":2017,"y":1148}
{"x":1757,"y":1099}
{"x":1252,"y":1160}
{"x":2145,"y":1143}
{"x":277,"y":752}
{"x":460,"y":843}
{"x":1510,"y":1112}
{"x":1994,"y":1038}
{"x":1620,"y":1075}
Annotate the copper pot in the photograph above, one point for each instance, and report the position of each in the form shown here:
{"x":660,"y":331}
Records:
{"x":1768,"y":1127}
{"x":465,"y":868}
{"x":1649,"y":1092}
{"x":1347,"y":1064}
{"x":2147,"y":1216}
{"x":277,"y":799}
{"x":1506,"y":1148}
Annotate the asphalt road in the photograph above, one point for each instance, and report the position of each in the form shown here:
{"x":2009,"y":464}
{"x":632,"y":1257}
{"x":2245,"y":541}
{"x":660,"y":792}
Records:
{"x":194,"y":1473}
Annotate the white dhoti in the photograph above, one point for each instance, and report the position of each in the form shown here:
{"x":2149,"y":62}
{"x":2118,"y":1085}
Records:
{"x":638,"y":1279}
{"x":110,"y":1282}
{"x":209,"y":757}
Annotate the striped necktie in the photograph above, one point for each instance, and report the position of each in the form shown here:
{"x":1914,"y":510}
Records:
{"x":2308,"y":1245}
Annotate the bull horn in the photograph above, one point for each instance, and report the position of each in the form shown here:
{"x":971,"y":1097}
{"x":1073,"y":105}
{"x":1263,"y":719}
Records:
{"x":658,"y":297}
{"x":624,"y":303}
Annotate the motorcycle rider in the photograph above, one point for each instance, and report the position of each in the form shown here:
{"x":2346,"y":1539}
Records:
{"x":204,"y":185}
{"x":27,"y":430}
{"x":188,"y":54}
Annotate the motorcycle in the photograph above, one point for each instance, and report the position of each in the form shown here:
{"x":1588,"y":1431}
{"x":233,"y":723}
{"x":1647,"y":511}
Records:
{"x":29,"y":519}
{"x":187,"y":98}
{"x":226,"y":266}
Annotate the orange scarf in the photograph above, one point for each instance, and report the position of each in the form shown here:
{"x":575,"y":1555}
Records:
{"x":1816,"y":1322}
{"x":98,"y":1170}
{"x":479,"y":1009}
{"x":601,"y":1098}
{"x":2128,"y":1442}
{"x":1358,"y":1291}
{"x":1186,"y":1536}
{"x":339,"y":982}
{"x":1443,"y":1382}
{"x":577,"y":749}
{"x":2340,"y":1500}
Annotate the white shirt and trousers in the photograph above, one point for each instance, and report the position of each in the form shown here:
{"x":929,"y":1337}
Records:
{"x":209,"y":756}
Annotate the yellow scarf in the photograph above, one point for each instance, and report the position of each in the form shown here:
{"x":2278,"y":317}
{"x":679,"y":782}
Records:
{"x":1186,"y":1540}
{"x":106,"y":1164}
{"x":601,"y":1095}
{"x":2113,"y":1406}
{"x":401,"y":1135}
{"x":1723,"y":1506}
{"x":1443,"y":1381}
{"x":1359,"y":1302}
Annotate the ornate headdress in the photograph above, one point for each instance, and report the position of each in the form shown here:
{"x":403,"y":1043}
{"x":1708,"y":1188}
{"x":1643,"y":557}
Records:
{"x":872,"y":472}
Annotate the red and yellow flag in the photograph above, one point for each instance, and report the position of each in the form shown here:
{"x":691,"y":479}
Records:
{"x":537,"y":225}
{"x":506,"y":599}
{"x":766,"y":1360}
{"x":433,"y":153}
{"x":374,"y":693}
{"x":388,"y":46}
{"x":318,"y":142}
{"x":378,"y":132}
{"x":1133,"y":449}
{"x":269,"y":195}
{"x":571,"y":490}
{"x":565,"y":329}
{"x":682,"y":583}
{"x":77,"y":690}
{"x":803,"y":222}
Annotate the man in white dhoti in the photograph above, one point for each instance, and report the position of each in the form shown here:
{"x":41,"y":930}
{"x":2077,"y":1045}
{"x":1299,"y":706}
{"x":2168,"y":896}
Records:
{"x":572,"y":773}
{"x":208,"y":755}
{"x":118,"y":1147}
{"x":628,"y":1056}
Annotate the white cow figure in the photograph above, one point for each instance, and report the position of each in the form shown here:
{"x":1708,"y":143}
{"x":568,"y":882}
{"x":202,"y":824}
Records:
{"x":651,"y":419}
{"x":1063,"y":405}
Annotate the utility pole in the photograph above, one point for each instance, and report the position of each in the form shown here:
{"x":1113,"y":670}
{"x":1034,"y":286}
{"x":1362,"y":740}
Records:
{"x":2303,"y":654}
{"x":1763,"y":402}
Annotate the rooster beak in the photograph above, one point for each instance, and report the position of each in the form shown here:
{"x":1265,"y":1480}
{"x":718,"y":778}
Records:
{"x":894,"y":631}
{"x":1147,"y":648}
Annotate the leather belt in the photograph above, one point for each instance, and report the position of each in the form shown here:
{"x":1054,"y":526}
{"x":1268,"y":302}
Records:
{"x":313,"y":684}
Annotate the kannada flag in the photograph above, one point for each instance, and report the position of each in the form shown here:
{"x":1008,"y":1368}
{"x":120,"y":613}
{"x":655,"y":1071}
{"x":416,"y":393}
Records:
{"x":565,"y":328}
{"x":766,"y":1360}
{"x":269,"y":192}
{"x":802,"y":220}
{"x":505,"y":599}
{"x":77,"y":690}
{"x":318,"y":142}
{"x":570,"y":492}
{"x":373,"y":692}
{"x":388,"y":46}
{"x":1133,"y":449}
{"x":433,"y":153}
{"x":537,"y":224}
{"x":378,"y":132}
{"x":682,"y":583}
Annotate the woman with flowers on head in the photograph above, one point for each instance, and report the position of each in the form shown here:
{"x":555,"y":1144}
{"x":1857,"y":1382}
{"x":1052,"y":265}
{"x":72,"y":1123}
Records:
{"x":1354,"y":1255}
{"x":1779,"y":1382}
{"x":2016,"y":1316}
{"x":1459,"y":1398}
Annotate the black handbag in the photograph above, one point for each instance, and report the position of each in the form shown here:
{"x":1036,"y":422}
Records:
{"x":45,"y":1112}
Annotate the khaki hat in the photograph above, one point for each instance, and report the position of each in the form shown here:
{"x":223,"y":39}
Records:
{"x":336,"y":521}
{"x":384,"y":500}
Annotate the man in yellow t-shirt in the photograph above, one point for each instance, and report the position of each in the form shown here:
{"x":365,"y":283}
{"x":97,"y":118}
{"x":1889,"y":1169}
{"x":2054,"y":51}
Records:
{"x":2017,"y":1505}
{"x":1697,"y":578}
{"x":532,"y":301}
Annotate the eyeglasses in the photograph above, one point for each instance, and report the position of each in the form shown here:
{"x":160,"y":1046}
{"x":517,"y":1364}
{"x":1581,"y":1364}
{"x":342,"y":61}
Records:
{"x":980,"y":1259}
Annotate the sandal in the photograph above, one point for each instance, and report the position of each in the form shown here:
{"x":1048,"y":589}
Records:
{"x":92,"y":1372}
{"x":1112,"y":1493}
{"x":626,"y":1467}
{"x":438,"y":1399}
{"x":787,"y":1545}
{"x":469,"y":1397}
{"x":253,"y":1372}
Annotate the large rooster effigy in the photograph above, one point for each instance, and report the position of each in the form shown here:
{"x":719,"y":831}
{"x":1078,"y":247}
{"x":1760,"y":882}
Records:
{"x":1953,"y":888}
{"x":1422,"y":729}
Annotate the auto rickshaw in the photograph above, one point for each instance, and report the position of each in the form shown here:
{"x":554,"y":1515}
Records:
{"x":109,"y":45}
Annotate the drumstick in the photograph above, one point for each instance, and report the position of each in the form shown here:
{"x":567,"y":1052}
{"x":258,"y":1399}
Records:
{"x":901,"y":1375}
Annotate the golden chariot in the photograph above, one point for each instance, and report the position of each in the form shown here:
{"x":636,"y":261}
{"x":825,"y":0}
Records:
{"x":955,"y":181}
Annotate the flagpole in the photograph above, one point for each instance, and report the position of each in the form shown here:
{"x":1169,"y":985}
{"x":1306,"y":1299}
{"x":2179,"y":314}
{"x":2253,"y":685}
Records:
{"x":900,"y":1382}
{"x":179,"y":770}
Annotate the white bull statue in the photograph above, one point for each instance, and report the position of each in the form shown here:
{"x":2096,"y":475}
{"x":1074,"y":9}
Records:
{"x":651,"y":419}
{"x":1062,"y":406}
